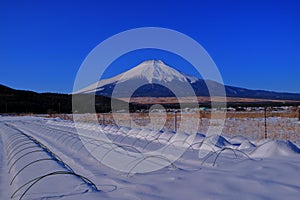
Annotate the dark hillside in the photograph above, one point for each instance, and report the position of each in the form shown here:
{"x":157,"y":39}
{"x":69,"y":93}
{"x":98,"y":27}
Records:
{"x":20,"y":101}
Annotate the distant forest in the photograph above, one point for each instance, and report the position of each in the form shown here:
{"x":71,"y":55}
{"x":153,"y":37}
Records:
{"x":20,"y":101}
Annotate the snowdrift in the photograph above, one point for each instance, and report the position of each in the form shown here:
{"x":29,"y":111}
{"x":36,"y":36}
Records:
{"x":274,"y":148}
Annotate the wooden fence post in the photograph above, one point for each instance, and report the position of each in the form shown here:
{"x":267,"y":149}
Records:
{"x":175,"y":118}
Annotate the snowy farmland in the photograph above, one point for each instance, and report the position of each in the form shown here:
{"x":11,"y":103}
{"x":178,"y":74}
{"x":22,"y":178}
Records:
{"x":44,"y":158}
{"x":279,"y":125}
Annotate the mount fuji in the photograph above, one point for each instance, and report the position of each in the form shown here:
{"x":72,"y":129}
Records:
{"x":154,"y":75}
{"x":154,"y":78}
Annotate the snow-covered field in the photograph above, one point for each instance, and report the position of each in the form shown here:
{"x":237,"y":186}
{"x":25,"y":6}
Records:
{"x":280,"y":125}
{"x":43,"y":158}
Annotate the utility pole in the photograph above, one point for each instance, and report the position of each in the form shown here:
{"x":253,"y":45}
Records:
{"x":266,"y":130}
{"x":298,"y":113}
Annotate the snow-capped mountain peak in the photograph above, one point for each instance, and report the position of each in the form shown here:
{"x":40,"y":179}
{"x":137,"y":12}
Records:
{"x":156,"y":78}
{"x":154,"y":71}
{"x":151,"y":71}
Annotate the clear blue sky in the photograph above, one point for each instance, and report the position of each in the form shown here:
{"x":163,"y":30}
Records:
{"x":255,"y":43}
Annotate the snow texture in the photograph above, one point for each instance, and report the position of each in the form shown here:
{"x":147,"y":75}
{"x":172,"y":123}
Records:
{"x":236,"y":168}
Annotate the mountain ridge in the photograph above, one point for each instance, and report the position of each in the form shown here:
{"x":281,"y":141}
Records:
{"x":154,"y":72}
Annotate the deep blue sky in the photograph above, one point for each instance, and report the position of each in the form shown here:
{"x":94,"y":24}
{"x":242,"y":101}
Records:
{"x":255,"y":43}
